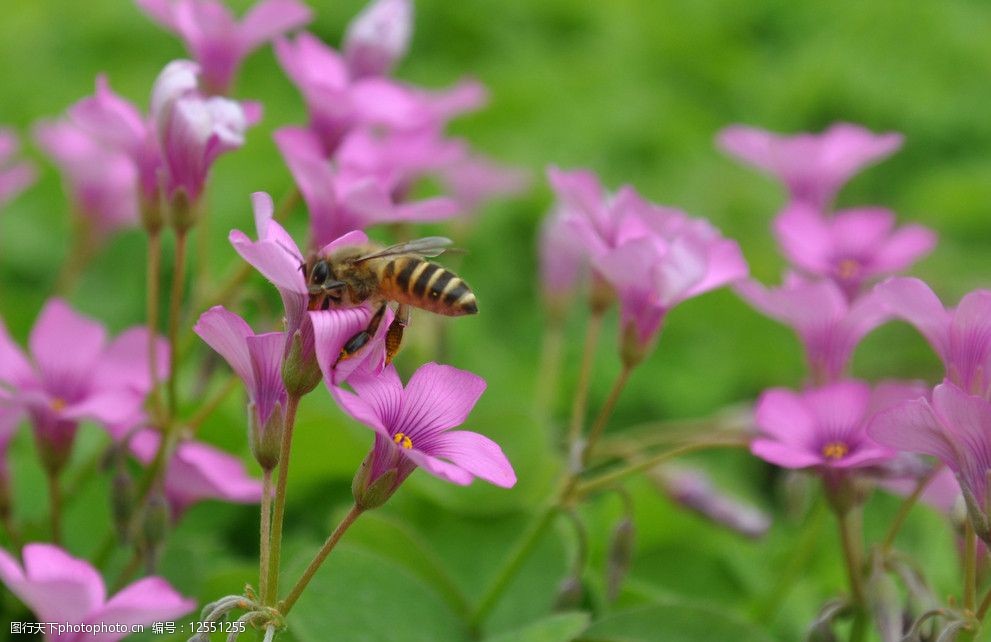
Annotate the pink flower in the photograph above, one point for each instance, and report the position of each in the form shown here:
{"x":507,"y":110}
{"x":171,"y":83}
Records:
{"x":102,"y":182}
{"x":378,"y":37}
{"x":853,"y":246}
{"x":257,"y":360}
{"x":60,"y":588}
{"x":562,"y":256}
{"x":828,"y":325}
{"x":812,"y":166}
{"x":341,"y":201}
{"x":825,"y":427}
{"x":476,"y":179}
{"x":413,"y":426}
{"x":15,"y":176}
{"x":583,"y":202}
{"x":216,"y":40}
{"x":74,"y":374}
{"x":954,"y":427}
{"x":192,"y":130}
{"x":198,"y":471}
{"x":961,"y":337}
{"x":942,"y":492}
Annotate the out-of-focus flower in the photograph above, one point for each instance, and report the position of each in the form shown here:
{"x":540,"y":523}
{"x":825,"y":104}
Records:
{"x":562,"y":258}
{"x":102,"y":182}
{"x":197,"y":472}
{"x":378,"y":37}
{"x":413,"y":428}
{"x":9,"y":420}
{"x":73,"y":374}
{"x":341,"y":201}
{"x":193,"y":130}
{"x":954,"y":427}
{"x":583,"y":203}
{"x":693,"y":489}
{"x":214,"y":37}
{"x":477,"y":179}
{"x":64,"y":589}
{"x":853,"y":246}
{"x":828,"y":325}
{"x":961,"y":336}
{"x":257,"y":360}
{"x":826,"y":427}
{"x":15,"y":176}
{"x":942,"y":492}
{"x":276,"y":255}
{"x":812,"y":166}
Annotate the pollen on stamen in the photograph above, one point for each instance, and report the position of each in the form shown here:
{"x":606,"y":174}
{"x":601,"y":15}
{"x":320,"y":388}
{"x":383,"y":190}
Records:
{"x":58,"y":404}
{"x":835,"y":450}
{"x":402,"y":440}
{"x":848,"y":269}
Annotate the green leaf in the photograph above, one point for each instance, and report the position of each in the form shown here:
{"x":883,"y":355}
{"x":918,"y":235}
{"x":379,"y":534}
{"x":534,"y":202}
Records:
{"x":673,"y":620}
{"x":361,"y":597}
{"x":562,"y":627}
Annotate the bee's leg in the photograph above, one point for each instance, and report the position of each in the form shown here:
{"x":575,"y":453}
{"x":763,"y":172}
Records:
{"x":358,"y":341}
{"x":394,"y":338}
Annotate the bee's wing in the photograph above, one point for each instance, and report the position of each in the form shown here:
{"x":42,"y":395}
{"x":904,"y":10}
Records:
{"x":429,"y":246}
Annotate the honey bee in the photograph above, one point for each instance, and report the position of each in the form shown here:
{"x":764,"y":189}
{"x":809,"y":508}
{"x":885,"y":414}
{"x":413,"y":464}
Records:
{"x":356,"y":274}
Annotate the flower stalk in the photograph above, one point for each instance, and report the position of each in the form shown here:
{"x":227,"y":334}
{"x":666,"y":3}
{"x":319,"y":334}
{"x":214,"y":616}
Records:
{"x":265,"y":540}
{"x":279,"y":507}
{"x":580,"y":403}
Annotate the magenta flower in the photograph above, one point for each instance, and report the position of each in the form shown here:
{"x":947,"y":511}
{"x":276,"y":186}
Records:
{"x":63,"y":589}
{"x":961,"y":337}
{"x":825,"y":427}
{"x":216,"y":40}
{"x":257,"y":360}
{"x":378,"y":37}
{"x":477,"y":179}
{"x":193,"y":130}
{"x":954,"y":427}
{"x":853,"y":246}
{"x":73,"y":374}
{"x":342,"y":201}
{"x":828,"y":325}
{"x":812,"y":166}
{"x":584,"y":203}
{"x":413,"y":426}
{"x":197,"y":472}
{"x":562,"y":257}
{"x":102,"y":183}
{"x":15,"y":176}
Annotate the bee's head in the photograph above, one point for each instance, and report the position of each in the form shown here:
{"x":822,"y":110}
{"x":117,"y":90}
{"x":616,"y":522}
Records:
{"x":321,"y":283}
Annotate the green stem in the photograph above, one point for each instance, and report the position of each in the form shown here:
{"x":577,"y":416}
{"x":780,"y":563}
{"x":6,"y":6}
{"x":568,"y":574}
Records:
{"x":175,"y":314}
{"x":906,"y":507}
{"x":194,"y":422}
{"x":982,"y":610}
{"x":610,"y":478}
{"x":80,"y":253}
{"x":969,"y":567}
{"x":265,"y":542}
{"x":605,"y":413}
{"x":852,"y":555}
{"x":55,"y":506}
{"x":152,"y":284}
{"x":580,"y":402}
{"x":286,"y":605}
{"x":278,"y":512}
{"x":549,"y":370}
{"x":511,"y":566}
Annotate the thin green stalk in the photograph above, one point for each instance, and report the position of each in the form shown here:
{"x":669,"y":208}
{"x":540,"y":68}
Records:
{"x":906,"y":507}
{"x":55,"y":505}
{"x":853,"y":556}
{"x":969,"y":567}
{"x":286,"y":605}
{"x":511,"y":566}
{"x":278,"y":512}
{"x":549,"y":370}
{"x":152,"y":284}
{"x":79,"y":256}
{"x":204,"y":411}
{"x":580,"y":402}
{"x":175,"y":315}
{"x":605,"y":413}
{"x":265,"y":542}
{"x":982,"y":610}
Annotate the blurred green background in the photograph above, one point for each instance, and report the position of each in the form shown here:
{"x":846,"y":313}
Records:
{"x":636,"y":91}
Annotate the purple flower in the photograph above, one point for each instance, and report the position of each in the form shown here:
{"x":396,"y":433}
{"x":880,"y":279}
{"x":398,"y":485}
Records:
{"x":812,"y":166}
{"x":102,"y":182}
{"x":476,"y":179}
{"x":583,"y":202}
{"x":257,"y":360}
{"x":341,"y":201}
{"x":954,"y":427}
{"x":828,"y":325}
{"x":853,"y":246}
{"x":197,"y":472}
{"x":193,"y":130}
{"x":825,"y":427}
{"x":378,"y":37}
{"x":216,"y":40}
{"x":15,"y":176}
{"x":562,"y":256}
{"x":60,"y":588}
{"x":74,"y":374}
{"x":413,"y":426}
{"x":961,"y":337}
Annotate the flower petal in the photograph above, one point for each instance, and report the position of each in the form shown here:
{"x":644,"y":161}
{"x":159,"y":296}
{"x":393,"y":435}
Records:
{"x":271,"y":18}
{"x":147,"y":600}
{"x":226,"y":333}
{"x":437,"y":397}
{"x":474,"y":453}
{"x":65,"y":344}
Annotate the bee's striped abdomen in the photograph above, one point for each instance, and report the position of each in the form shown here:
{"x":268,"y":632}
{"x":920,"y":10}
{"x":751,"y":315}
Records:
{"x":426,"y":285}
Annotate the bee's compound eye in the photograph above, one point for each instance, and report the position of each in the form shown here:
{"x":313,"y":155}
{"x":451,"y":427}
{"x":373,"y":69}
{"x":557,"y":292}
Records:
{"x":321,"y":272}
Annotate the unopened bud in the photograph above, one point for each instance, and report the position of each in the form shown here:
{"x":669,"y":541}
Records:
{"x":693,"y":490}
{"x":300,"y":370}
{"x":978,"y":517}
{"x":884,"y":601}
{"x":371,"y":493}
{"x":154,"y":529}
{"x":570,"y":594}
{"x":266,"y":440}
{"x":122,"y":503}
{"x":620,"y":557}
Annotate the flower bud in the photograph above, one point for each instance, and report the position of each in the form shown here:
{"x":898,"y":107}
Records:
{"x":122,"y":503}
{"x":266,"y":440}
{"x":884,"y":601}
{"x":620,"y":557}
{"x":154,"y":529}
{"x":693,"y":490}
{"x":371,"y":493}
{"x":570,"y":594}
{"x":300,"y":370}
{"x":378,"y":37}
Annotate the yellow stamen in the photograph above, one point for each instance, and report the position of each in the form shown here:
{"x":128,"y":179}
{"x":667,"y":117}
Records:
{"x":402,"y":440}
{"x":58,"y":404}
{"x":848,"y":269}
{"x":835,"y":450}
